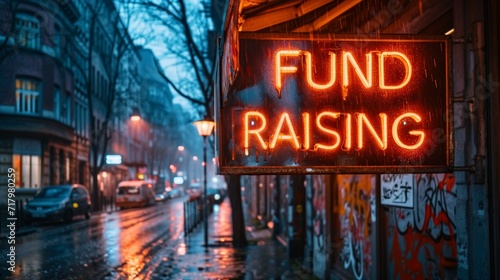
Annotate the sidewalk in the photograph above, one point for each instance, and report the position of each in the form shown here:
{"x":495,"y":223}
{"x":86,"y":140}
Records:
{"x":263,"y":258}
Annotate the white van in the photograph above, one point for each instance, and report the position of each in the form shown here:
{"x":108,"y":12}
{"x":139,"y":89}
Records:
{"x":137,"y":193}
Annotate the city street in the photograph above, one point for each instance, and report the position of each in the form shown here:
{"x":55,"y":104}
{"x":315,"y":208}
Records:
{"x":146,"y":243}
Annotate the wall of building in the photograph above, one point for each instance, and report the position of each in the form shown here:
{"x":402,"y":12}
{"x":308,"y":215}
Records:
{"x":421,"y":242}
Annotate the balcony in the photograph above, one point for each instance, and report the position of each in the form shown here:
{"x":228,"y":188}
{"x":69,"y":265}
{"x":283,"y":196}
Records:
{"x":34,"y":125}
{"x":70,"y":9}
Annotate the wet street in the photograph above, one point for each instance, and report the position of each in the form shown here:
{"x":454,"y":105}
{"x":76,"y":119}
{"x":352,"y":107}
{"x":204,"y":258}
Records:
{"x":110,"y":245}
{"x":145,"y":243}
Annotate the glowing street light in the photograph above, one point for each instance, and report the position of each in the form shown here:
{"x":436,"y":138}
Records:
{"x":136,"y":115}
{"x":205,"y":128}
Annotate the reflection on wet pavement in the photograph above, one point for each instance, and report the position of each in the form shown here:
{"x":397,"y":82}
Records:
{"x":146,"y":243}
{"x":190,"y":260}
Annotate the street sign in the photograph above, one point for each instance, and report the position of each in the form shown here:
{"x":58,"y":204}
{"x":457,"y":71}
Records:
{"x":113,"y":159}
{"x":337,"y":105}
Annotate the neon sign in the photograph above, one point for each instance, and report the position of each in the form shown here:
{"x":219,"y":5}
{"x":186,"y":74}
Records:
{"x":347,"y":60}
{"x":363,"y":124}
{"x":318,"y":105}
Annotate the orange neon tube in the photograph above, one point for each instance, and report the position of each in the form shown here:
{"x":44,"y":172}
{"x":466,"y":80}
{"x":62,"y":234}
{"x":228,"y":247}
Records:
{"x":381,"y":141}
{"x":256,"y":131}
{"x":328,"y":131}
{"x":408,"y":69}
{"x":284,"y":117}
{"x":420,"y":134}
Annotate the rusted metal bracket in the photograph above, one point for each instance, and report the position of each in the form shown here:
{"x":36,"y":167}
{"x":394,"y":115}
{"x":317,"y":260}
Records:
{"x":461,"y":40}
{"x":460,"y":99}
{"x":470,"y":169}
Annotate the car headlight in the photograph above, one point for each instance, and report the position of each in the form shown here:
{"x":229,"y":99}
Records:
{"x":61,"y":205}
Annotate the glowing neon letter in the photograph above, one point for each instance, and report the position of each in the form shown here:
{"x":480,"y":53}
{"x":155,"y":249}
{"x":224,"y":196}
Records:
{"x":284,"y":69}
{"x":419,"y":133}
{"x":381,"y":71}
{"x":278,"y":134}
{"x":309,"y":71}
{"x":348,"y":138}
{"x":367,"y":81}
{"x":329,"y":131}
{"x":382,"y":142}
{"x":307,"y":130}
{"x":257,"y":131}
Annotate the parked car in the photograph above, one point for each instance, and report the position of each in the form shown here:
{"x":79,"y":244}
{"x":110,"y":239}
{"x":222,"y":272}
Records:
{"x":136,"y":193}
{"x":218,"y":194}
{"x":62,"y":202}
{"x":194,"y":190}
{"x":161,"y":197}
{"x":174,"y":192}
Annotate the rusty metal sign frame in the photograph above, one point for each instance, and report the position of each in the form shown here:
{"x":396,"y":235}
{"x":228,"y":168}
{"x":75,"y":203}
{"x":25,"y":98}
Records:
{"x":226,"y":165}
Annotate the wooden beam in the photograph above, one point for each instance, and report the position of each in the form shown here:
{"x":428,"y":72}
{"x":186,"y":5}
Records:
{"x":328,"y":16}
{"x":418,"y":16}
{"x":278,"y":16}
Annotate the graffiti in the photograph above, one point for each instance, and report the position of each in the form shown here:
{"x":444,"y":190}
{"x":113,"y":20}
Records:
{"x":319,"y":211}
{"x":397,"y":190}
{"x":355,"y":210}
{"x":423,"y":244}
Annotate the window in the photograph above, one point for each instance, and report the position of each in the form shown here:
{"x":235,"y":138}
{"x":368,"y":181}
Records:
{"x":28,"y":31}
{"x":81,"y":192}
{"x":57,"y":41}
{"x":27,"y":94}
{"x":57,"y":104}
{"x":68,"y":168}
{"x":66,"y":108}
{"x":28,"y":169}
{"x":78,"y":118}
{"x":52,"y":169}
{"x":62,"y":167}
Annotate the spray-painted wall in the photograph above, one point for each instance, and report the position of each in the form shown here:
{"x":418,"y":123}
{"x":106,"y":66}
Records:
{"x":421,"y":241}
{"x":353,"y":233}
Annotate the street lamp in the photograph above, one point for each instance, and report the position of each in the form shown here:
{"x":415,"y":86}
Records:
{"x":205,"y":128}
{"x":136,"y":118}
{"x":136,"y":115}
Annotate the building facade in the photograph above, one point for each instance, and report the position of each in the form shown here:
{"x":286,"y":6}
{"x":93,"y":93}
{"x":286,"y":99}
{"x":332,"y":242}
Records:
{"x":71,"y":78}
{"x":38,"y":97}
{"x":345,"y":226}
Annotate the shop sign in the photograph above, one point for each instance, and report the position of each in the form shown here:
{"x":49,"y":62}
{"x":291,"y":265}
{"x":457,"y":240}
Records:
{"x":397,"y":190}
{"x":337,"y":105}
{"x":113,"y":159}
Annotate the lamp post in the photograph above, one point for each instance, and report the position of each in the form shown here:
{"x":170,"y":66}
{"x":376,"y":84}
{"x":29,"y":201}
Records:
{"x":205,"y":128}
{"x":136,"y":118}
{"x":136,"y":115}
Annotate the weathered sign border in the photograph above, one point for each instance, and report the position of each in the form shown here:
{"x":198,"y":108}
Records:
{"x":227,"y":165}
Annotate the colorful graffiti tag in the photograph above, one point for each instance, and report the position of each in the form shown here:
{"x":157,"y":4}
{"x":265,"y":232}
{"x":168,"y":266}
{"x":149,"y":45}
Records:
{"x":422,"y":241}
{"x":354,"y":207}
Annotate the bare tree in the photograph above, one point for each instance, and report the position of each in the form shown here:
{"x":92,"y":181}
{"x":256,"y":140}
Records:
{"x":187,"y":39}
{"x":8,"y":12}
{"x":108,"y":45}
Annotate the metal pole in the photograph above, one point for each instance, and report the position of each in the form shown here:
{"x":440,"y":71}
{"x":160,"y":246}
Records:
{"x":205,"y":190}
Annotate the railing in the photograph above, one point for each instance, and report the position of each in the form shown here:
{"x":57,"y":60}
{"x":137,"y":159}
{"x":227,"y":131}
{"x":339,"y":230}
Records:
{"x":193,"y":212}
{"x":23,"y":195}
{"x":20,"y":212}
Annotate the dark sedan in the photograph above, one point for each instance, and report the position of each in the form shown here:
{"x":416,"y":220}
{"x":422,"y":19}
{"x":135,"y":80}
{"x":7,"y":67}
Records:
{"x":61,"y":202}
